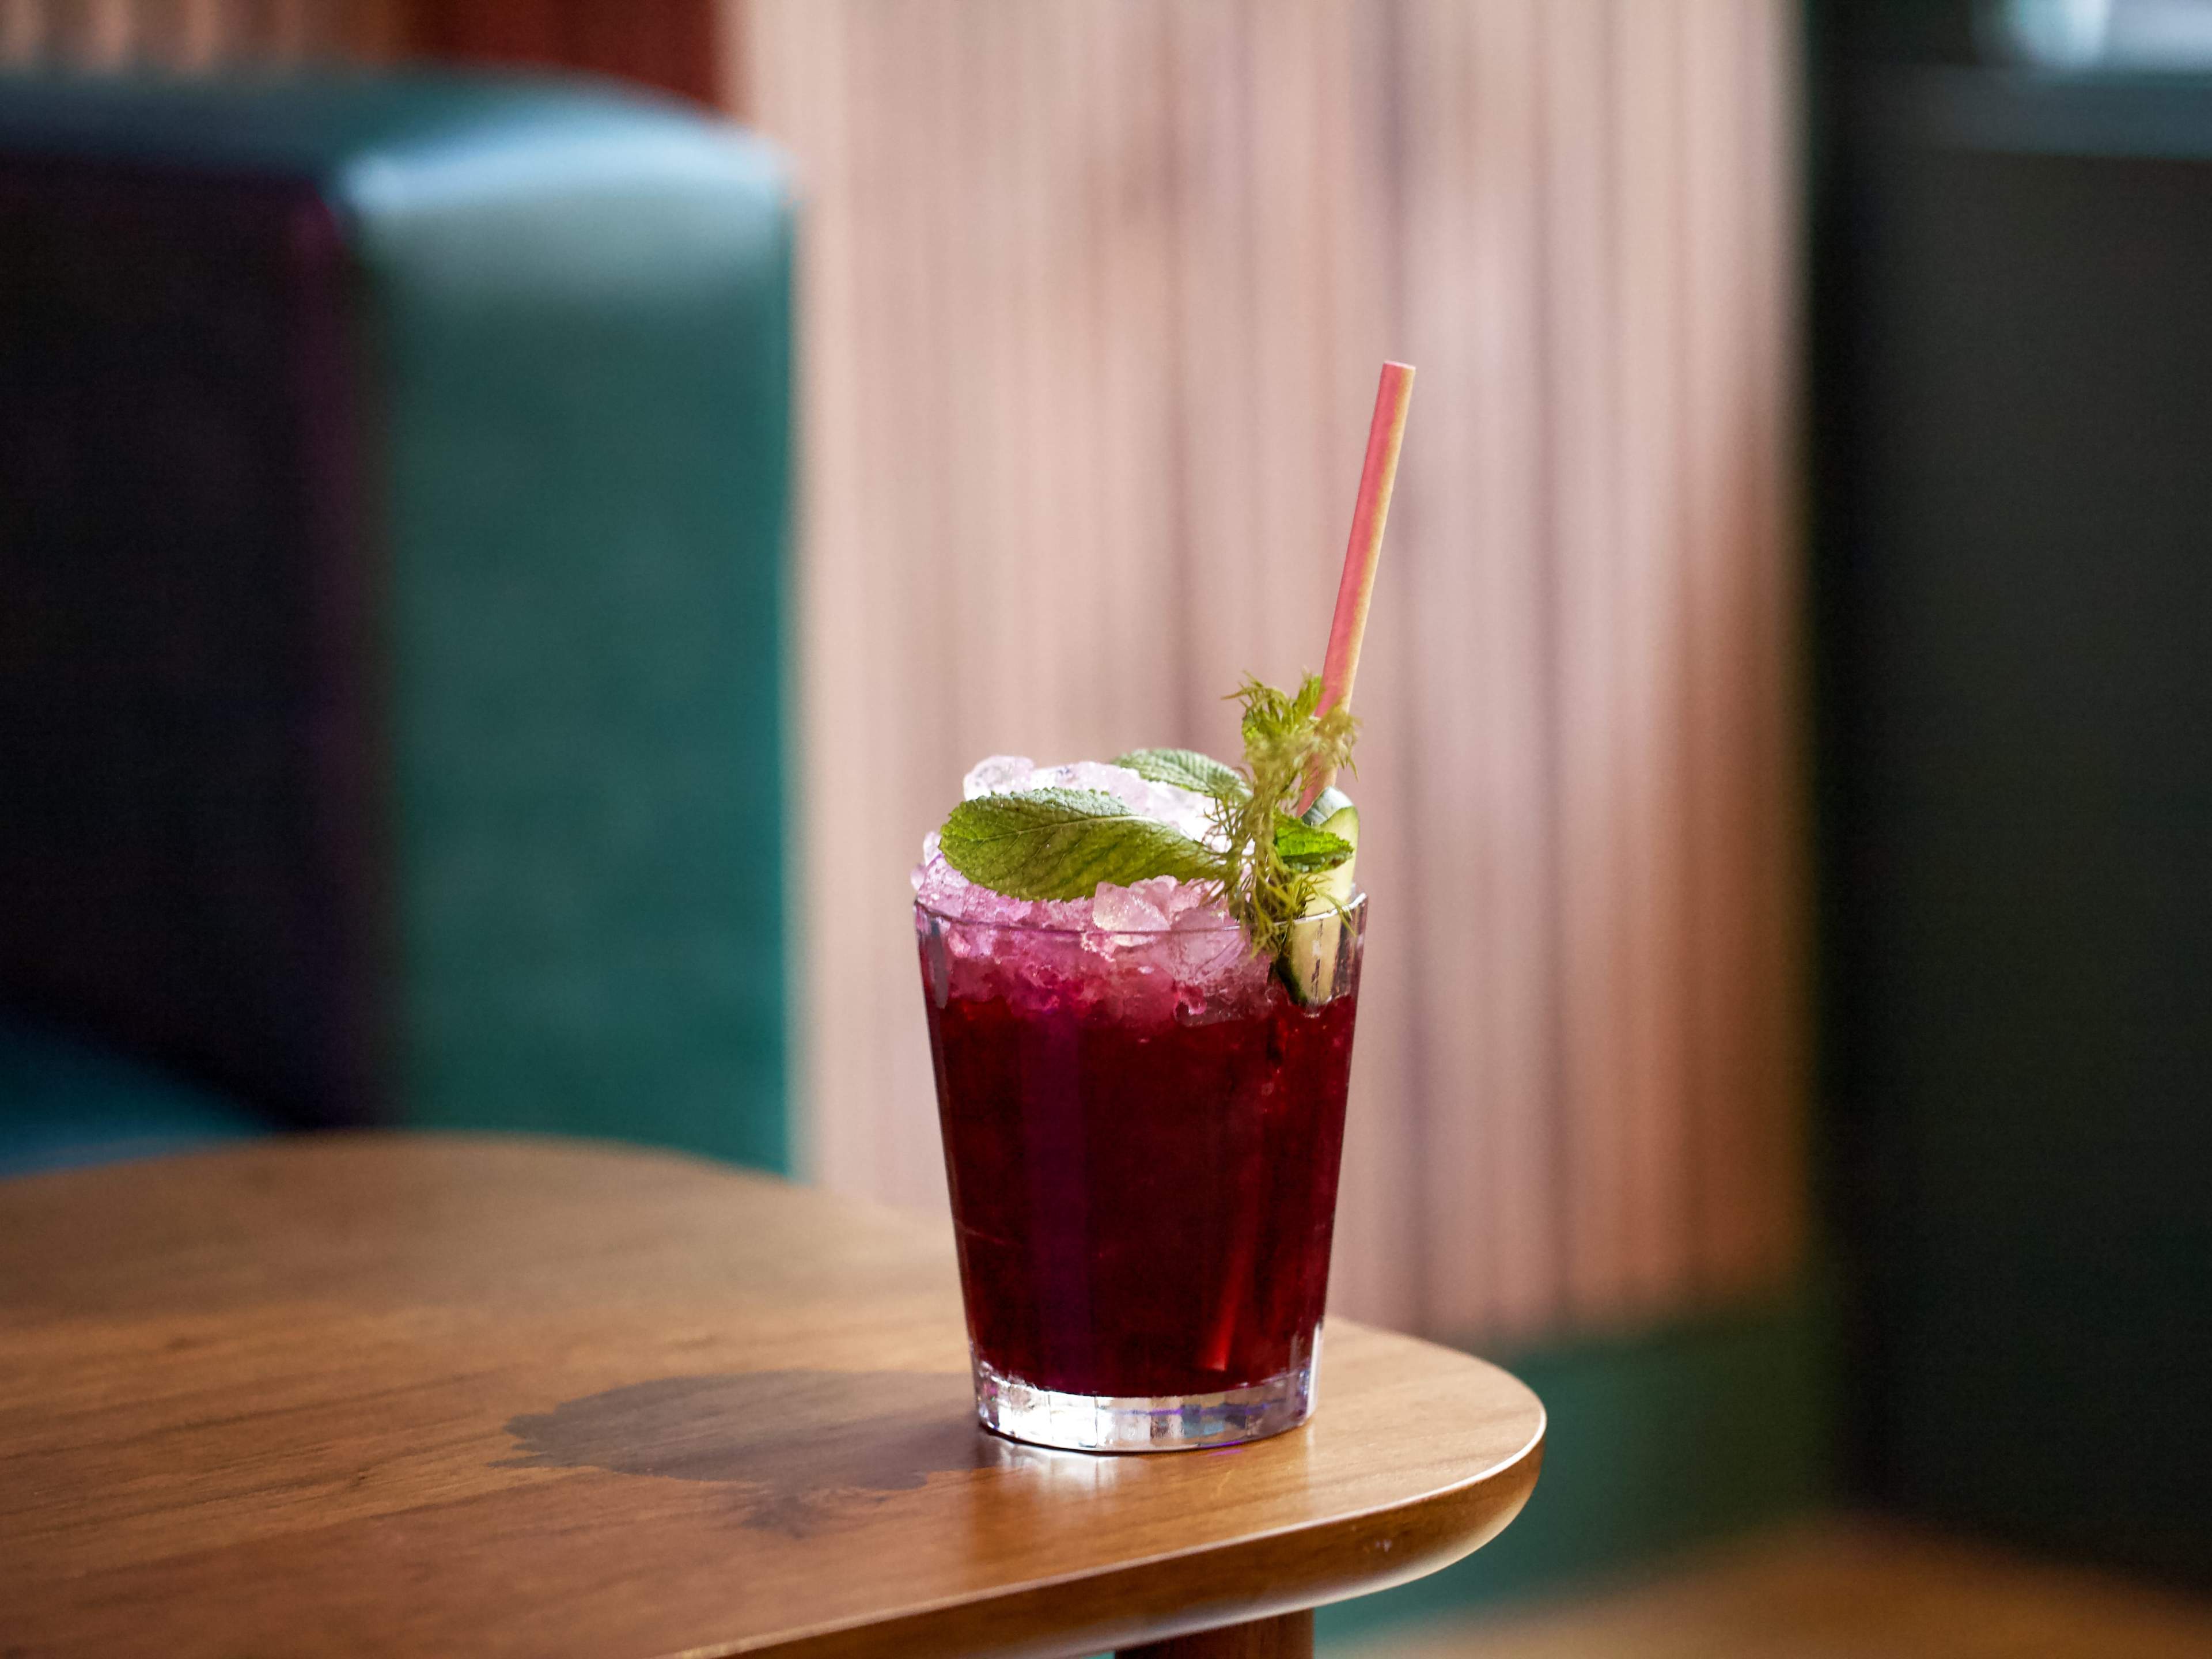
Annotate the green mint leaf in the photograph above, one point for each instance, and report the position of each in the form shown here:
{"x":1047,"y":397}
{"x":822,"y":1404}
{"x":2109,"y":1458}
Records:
{"x":1186,"y":769}
{"x":1061,"y":843}
{"x":1308,"y":850}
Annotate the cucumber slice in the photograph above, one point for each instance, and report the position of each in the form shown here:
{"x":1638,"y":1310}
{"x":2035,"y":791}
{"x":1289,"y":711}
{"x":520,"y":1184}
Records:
{"x":1309,"y":959}
{"x":1331,"y":801}
{"x":1343,"y":823}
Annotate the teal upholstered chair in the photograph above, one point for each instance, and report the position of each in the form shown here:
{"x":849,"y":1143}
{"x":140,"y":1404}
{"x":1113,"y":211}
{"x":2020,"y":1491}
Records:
{"x":392,"y":513}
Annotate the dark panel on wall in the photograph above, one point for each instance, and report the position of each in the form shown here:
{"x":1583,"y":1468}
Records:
{"x":181,"y":734}
{"x":2018,"y":641}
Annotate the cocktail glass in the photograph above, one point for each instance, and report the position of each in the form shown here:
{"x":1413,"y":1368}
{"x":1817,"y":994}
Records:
{"x":1142,"y":1135}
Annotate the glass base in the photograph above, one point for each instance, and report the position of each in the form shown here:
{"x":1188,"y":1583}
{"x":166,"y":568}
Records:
{"x":1144,"y":1423}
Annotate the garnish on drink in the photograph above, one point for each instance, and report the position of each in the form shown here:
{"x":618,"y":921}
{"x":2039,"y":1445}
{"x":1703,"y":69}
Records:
{"x":1142,"y":978}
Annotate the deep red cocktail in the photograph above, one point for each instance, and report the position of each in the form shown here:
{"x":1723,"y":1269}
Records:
{"x":1142,"y":1135}
{"x":1142,"y":976}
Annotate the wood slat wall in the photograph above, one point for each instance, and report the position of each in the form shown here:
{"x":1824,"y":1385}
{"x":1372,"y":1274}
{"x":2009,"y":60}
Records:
{"x":190,"y":34}
{"x":681,"y":45}
{"x":1094,"y":293}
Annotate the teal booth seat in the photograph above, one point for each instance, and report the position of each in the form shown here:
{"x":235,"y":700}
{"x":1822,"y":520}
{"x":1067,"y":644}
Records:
{"x":63,"y":1103}
{"x":393,"y":498}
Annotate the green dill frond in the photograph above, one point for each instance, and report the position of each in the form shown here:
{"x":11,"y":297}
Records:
{"x":1285,"y":743}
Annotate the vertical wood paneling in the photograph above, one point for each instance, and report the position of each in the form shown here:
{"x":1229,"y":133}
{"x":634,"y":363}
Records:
{"x":1717,"y":537}
{"x":807,"y":98}
{"x":1773,"y":799}
{"x":1093,"y":292}
{"x":680,"y":45}
{"x":1584,"y":450}
{"x":1436,"y":571}
{"x":1512,"y":615}
{"x":198,"y":34}
{"x":1380,"y":1264}
{"x":23,"y":30}
{"x":1094,"y":296}
{"x":1647,"y":640}
{"x":904,"y":426}
{"x":1211,"y":86}
{"x":1128,"y":252}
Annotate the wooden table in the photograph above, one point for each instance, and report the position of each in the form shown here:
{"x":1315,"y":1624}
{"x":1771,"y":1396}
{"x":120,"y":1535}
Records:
{"x":413,"y":1395}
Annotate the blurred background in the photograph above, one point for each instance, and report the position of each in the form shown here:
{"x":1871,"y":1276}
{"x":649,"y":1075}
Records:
{"x":490,"y":604}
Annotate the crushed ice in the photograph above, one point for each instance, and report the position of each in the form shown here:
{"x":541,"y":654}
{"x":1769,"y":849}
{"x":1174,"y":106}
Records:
{"x":1149,"y":906}
{"x":1175,"y":933}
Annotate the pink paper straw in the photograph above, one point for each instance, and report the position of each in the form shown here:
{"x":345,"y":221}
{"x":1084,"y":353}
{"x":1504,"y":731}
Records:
{"x":1384,"y":436}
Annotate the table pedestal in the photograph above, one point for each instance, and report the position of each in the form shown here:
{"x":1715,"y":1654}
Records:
{"x":1289,"y":1636}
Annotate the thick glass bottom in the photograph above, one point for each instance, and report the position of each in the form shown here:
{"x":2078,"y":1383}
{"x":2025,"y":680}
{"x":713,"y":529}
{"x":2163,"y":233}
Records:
{"x":1142,"y":1423}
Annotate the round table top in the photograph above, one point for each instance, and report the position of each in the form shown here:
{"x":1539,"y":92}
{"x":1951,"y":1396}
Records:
{"x":426,"y":1396}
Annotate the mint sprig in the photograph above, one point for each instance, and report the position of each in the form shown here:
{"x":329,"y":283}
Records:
{"x":1186,"y":769}
{"x":1307,"y":850}
{"x":1061,"y":843}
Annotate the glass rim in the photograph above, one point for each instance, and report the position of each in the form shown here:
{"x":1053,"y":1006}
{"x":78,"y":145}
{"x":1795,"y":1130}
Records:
{"x":1352,"y":906}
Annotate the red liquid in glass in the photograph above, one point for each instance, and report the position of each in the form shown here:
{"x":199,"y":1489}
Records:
{"x":1143,"y":1204}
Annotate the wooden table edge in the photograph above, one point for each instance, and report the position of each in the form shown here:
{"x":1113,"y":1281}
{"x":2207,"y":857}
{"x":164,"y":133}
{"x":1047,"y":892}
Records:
{"x":1178,"y":1595}
{"x":1135,"y":1601}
